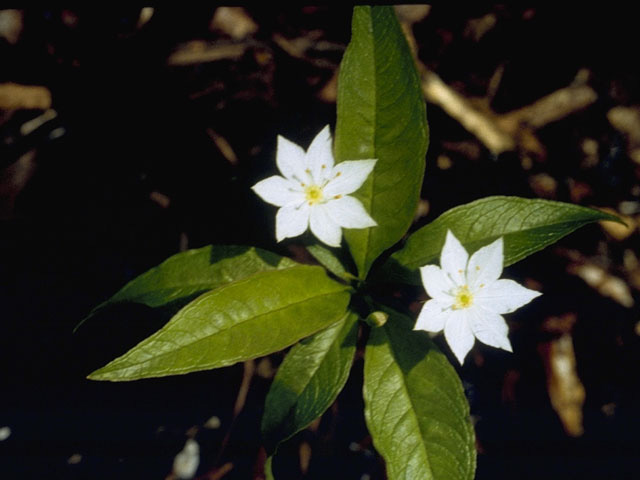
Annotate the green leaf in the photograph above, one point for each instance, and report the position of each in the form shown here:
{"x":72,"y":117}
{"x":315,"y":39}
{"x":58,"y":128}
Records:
{"x":196,"y":271}
{"x":308,"y":381}
{"x":184,"y":276}
{"x":415,"y":406}
{"x":527,"y":226}
{"x":329,"y":260}
{"x":381,"y":114}
{"x":252,"y":317}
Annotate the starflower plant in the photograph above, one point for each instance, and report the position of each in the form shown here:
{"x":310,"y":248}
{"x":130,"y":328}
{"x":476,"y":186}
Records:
{"x":468,"y":298}
{"x":314,"y":193}
{"x":241,"y":302}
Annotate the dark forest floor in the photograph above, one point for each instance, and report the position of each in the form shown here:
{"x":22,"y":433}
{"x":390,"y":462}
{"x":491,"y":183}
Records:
{"x":142,"y":135}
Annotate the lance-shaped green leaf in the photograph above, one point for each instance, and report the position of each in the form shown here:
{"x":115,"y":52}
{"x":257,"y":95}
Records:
{"x":196,"y":271}
{"x":527,"y":225}
{"x":330,"y":260}
{"x":184,"y":276}
{"x":258,"y":315}
{"x":381,"y":114}
{"x":308,"y":381}
{"x":415,"y":406}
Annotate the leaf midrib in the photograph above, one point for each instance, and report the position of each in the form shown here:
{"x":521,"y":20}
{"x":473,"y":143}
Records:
{"x":242,"y":322}
{"x":368,"y":231}
{"x":413,"y":410}
{"x":493,"y":237}
{"x":320,"y":363}
{"x":199,"y":283}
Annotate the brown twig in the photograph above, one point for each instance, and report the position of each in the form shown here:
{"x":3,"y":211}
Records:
{"x":199,"y":51}
{"x":14,"y":97}
{"x":234,"y":21}
{"x":510,"y":131}
{"x":475,"y":121}
{"x":550,"y":108}
{"x":247,"y":375}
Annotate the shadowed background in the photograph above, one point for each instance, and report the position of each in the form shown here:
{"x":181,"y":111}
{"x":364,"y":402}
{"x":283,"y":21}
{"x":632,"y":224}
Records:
{"x":127,"y":135}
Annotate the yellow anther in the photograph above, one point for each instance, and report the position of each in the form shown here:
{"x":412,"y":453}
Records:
{"x":313,"y":194}
{"x":463,"y":298}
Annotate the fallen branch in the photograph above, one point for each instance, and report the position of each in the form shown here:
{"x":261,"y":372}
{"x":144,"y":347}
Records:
{"x":459,"y":108}
{"x":509,"y":131}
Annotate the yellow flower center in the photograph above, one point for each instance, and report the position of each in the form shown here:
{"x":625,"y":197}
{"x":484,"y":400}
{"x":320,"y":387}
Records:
{"x":313,"y":194}
{"x":463,"y":298}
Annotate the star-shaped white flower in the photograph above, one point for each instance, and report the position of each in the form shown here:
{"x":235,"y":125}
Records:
{"x":467,"y":297}
{"x":313,"y":192}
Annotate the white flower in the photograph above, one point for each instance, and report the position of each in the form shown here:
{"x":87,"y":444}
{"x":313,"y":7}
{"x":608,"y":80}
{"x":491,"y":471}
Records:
{"x":314,"y":193}
{"x":467,"y":298}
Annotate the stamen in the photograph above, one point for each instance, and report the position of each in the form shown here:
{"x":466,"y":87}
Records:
{"x":313,"y":194}
{"x":463,"y":298}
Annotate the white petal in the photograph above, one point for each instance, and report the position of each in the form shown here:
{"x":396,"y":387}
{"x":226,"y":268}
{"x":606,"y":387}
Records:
{"x":490,"y":328}
{"x":433,"y":316}
{"x":437,"y":283}
{"x":291,"y":161}
{"x":485,"y":265}
{"x":453,"y":259}
{"x":503,"y":296}
{"x":320,"y":156}
{"x":279,"y":191}
{"x":323,"y":227}
{"x":347,"y":177}
{"x":458,"y":334}
{"x":348,"y":212}
{"x":291,"y":221}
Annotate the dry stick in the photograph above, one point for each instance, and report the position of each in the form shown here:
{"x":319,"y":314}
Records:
{"x":220,"y":472}
{"x":14,"y":97}
{"x":476,"y":122}
{"x":627,"y":121}
{"x":223,"y":146}
{"x":503,"y":132}
{"x":551,"y":108}
{"x":196,"y":52}
{"x":597,"y":277}
{"x":298,"y":48}
{"x":247,"y":375}
{"x":234,"y":21}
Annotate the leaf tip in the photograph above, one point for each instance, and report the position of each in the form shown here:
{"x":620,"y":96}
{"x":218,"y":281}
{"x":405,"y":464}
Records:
{"x":610,"y":215}
{"x":95,"y":376}
{"x":102,"y":374}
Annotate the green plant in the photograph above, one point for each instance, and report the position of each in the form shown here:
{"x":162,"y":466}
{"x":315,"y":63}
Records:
{"x":240,"y":303}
